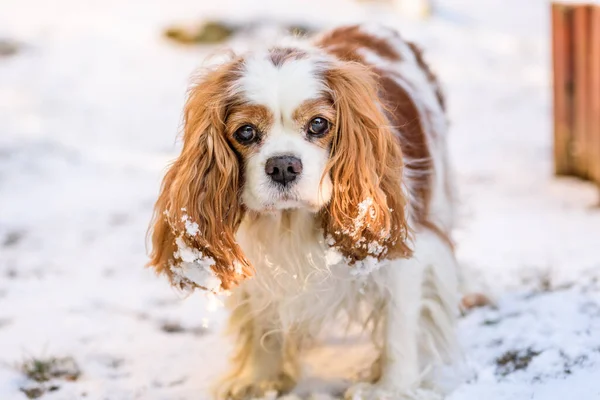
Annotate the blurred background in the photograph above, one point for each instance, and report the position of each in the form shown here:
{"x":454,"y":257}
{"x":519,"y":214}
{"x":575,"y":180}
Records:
{"x":91,"y":94}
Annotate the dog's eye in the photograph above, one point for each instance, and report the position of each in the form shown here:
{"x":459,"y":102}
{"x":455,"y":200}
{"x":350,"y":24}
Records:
{"x":318,"y":127}
{"x":246,"y":134}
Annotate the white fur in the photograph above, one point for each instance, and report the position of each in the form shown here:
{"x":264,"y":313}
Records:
{"x":297,"y":274}
{"x":302,"y":286}
{"x":298,"y":291}
{"x":281,"y":88}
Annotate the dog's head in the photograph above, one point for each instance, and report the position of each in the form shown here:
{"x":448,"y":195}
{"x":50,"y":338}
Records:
{"x":278,"y":130}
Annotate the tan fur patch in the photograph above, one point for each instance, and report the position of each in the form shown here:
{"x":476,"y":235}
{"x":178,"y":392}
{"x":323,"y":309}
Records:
{"x":346,"y":42}
{"x":310,"y":109}
{"x":430,"y":75}
{"x":406,"y":119}
{"x":365,"y":217}
{"x":279,"y":55}
{"x":247,"y":114}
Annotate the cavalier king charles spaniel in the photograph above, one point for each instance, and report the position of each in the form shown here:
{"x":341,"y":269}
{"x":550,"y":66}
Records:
{"x":313,"y":187}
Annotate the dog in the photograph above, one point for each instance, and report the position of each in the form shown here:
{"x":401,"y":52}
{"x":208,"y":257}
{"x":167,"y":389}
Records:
{"x":318,"y":168}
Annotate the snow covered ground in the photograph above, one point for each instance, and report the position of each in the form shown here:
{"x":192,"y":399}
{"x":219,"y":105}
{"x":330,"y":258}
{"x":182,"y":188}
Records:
{"x":89,"y":109}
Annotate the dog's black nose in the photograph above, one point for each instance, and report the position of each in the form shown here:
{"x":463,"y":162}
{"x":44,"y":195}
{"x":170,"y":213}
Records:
{"x":283,"y":169}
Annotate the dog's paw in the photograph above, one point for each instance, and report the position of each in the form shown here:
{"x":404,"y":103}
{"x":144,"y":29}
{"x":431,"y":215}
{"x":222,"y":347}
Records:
{"x":249,"y":388}
{"x":366,"y":391}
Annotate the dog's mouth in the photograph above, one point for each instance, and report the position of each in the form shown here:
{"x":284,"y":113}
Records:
{"x":275,"y":199}
{"x":285,"y":196}
{"x":290,"y":202}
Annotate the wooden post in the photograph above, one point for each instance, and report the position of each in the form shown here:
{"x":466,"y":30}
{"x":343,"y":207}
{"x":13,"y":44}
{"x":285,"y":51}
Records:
{"x":581,"y":96}
{"x":576,"y":78}
{"x":595,"y":94}
{"x":563,"y":88}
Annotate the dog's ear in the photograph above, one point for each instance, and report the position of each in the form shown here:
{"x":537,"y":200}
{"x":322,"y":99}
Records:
{"x":366,"y":216}
{"x":199,"y":209}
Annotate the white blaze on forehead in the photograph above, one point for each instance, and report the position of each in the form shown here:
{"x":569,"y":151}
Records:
{"x":280,"y":88}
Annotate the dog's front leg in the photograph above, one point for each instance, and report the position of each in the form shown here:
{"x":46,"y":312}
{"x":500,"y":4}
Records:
{"x":399,"y":361}
{"x":419,"y":323}
{"x":264,"y":358}
{"x":400,"y":369}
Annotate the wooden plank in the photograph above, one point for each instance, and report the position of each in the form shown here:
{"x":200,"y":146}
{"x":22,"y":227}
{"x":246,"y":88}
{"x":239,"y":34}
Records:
{"x":563,"y":88}
{"x":594,"y":110}
{"x":581,"y":48}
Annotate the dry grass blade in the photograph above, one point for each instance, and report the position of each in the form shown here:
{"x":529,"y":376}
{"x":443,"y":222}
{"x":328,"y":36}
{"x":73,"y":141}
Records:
{"x":43,"y":370}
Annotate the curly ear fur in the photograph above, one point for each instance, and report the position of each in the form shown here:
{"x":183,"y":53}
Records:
{"x":366,"y":216}
{"x":202,"y":187}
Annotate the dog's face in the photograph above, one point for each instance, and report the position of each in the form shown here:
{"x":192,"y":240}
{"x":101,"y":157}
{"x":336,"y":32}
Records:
{"x":279,"y":130}
{"x":282,"y":130}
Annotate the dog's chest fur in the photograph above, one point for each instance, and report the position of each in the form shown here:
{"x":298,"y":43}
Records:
{"x":299,"y":277}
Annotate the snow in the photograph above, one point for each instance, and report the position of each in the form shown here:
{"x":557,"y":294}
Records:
{"x":365,"y":267}
{"x":194,"y":267}
{"x":191,"y":227}
{"x":375,"y":249}
{"x":186,"y":253}
{"x":191,"y":267}
{"x":200,"y":274}
{"x":90,"y":107}
{"x":364,"y":207}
